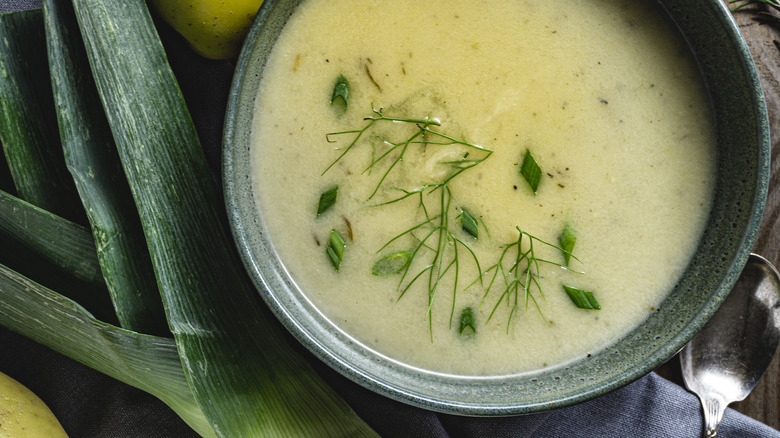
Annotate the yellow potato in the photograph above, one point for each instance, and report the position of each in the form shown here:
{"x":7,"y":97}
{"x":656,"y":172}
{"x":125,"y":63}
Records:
{"x":214,"y":28}
{"x":23,"y":414}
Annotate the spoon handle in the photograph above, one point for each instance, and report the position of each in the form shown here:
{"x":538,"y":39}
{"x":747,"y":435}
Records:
{"x":713,"y":408}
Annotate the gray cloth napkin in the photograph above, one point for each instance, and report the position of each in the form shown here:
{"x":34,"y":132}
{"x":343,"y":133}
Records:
{"x":90,"y":404}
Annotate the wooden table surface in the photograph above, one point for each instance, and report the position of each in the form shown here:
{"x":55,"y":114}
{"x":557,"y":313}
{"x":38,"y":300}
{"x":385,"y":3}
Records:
{"x":763,"y":38}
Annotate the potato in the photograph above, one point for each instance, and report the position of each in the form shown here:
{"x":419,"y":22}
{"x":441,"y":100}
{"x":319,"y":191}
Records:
{"x":214,"y":28}
{"x":23,"y":414}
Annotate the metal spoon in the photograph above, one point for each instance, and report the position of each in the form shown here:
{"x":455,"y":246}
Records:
{"x":725,"y":360}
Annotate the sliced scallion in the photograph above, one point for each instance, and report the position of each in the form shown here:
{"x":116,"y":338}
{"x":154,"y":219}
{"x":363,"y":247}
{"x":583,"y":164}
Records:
{"x":467,"y":321}
{"x":28,"y":127}
{"x":566,"y":240}
{"x":469,"y":223}
{"x":340,"y":94}
{"x":327,"y":200}
{"x":582,"y":298}
{"x":531,"y":171}
{"x":335,"y":249}
{"x":391,"y":264}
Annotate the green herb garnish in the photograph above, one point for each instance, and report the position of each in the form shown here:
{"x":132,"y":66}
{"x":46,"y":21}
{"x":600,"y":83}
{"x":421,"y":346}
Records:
{"x":327,"y":200}
{"x":424,"y":135}
{"x":761,"y":16}
{"x":434,"y":236}
{"x":467,"y":321}
{"x":391,"y":264}
{"x":531,"y":171}
{"x":340,"y":92}
{"x":335,"y":249}
{"x":469,"y":223}
{"x":522,"y":275}
{"x":582,"y":298}
{"x":567,"y":239}
{"x":742,"y":3}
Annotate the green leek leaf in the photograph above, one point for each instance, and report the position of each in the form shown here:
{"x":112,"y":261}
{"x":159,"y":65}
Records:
{"x":54,"y":251}
{"x":28,"y":128}
{"x":247,"y":380}
{"x":93,"y":161}
{"x":146,"y":362}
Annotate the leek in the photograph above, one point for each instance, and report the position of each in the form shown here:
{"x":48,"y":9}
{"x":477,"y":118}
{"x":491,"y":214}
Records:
{"x":28,"y":129}
{"x":146,"y":362}
{"x":93,"y":162}
{"x":246,"y":379}
{"x":6,"y":182}
{"x":57,"y":250}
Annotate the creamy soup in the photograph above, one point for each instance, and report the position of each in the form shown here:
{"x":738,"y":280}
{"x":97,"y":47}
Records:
{"x":602,"y":94}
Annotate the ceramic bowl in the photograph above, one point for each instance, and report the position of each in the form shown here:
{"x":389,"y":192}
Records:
{"x":744,"y":151}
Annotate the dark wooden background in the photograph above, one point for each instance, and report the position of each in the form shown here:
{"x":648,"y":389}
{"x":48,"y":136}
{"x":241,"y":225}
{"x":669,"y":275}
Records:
{"x":763,"y":38}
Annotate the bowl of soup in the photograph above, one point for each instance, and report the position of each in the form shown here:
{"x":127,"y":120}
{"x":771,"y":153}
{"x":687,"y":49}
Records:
{"x":494,"y":208}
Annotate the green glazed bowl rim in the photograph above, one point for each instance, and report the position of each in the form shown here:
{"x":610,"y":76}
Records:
{"x":743,"y":142}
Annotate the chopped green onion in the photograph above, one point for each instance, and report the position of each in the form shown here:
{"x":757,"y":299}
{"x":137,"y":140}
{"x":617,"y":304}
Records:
{"x":582,"y":298}
{"x":334,"y":258}
{"x":469,"y":224}
{"x":467,"y":321}
{"x":531,"y":171}
{"x":567,"y":239}
{"x":337,"y":243}
{"x":335,"y":249}
{"x":327,"y":200}
{"x":391,"y":264}
{"x":340,"y":91}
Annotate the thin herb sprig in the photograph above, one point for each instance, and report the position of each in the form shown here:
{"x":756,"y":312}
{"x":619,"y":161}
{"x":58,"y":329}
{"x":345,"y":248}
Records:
{"x":522,"y":276}
{"x":424,"y":135}
{"x":435,"y":235}
{"x":762,"y":16}
{"x":742,"y":3}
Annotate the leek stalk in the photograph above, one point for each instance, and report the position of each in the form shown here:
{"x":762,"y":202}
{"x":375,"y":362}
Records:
{"x":246,"y":379}
{"x":93,"y":162}
{"x":146,"y":362}
{"x":55,"y":251}
{"x":28,"y":129}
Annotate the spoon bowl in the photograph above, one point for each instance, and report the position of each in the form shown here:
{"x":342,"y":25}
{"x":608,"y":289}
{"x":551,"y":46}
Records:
{"x":725,"y":360}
